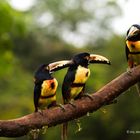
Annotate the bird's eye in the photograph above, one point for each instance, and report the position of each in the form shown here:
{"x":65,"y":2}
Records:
{"x":136,"y":32}
{"x":47,"y":68}
{"x":86,"y":57}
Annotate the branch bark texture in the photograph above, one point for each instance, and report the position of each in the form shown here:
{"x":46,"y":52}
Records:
{"x":21,"y":126}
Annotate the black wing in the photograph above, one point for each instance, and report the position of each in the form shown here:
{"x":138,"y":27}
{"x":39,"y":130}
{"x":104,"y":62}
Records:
{"x":37,"y":93}
{"x":66,"y":86}
{"x":126,"y":52}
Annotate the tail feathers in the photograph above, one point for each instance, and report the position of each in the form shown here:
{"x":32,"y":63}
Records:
{"x":64,"y":132}
{"x":138,"y":88}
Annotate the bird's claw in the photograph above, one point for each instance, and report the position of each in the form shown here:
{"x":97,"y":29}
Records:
{"x":72,"y":104}
{"x":88,"y":95}
{"x":129,"y":71}
{"x":61,"y":106}
{"x":40,"y":111}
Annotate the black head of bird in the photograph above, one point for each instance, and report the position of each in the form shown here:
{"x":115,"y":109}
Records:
{"x":43,"y":72}
{"x":81,"y":59}
{"x":133,"y":41}
{"x":133,"y":33}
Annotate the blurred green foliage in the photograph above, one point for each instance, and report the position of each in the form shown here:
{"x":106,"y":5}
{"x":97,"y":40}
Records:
{"x":37,"y":36}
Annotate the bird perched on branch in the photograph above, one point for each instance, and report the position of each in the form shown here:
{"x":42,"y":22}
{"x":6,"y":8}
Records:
{"x":45,"y":90}
{"x":46,"y":85}
{"x":133,"y":48}
{"x":76,"y":77}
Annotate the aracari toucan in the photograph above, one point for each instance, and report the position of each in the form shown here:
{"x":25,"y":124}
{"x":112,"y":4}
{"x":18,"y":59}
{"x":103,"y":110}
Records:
{"x":132,"y":48}
{"x":46,"y":85}
{"x":76,"y":77}
{"x":45,"y":90}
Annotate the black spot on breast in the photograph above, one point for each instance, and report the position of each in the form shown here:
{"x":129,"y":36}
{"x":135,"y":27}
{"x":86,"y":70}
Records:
{"x":87,"y":74}
{"x":133,"y":46}
{"x":52,"y":85}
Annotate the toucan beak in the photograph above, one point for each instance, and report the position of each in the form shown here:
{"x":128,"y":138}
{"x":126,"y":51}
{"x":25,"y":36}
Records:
{"x":132,"y":33}
{"x":59,"y":65}
{"x":94,"y":58}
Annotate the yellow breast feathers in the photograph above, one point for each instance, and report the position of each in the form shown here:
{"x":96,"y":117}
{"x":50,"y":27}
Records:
{"x":49,"y":87}
{"x":81,"y":75}
{"x":133,"y":46}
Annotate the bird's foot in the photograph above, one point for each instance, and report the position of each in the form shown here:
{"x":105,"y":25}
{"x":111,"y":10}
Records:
{"x":129,"y":71}
{"x":87,"y":95}
{"x":61,"y":106}
{"x":72,"y":104}
{"x":39,"y":111}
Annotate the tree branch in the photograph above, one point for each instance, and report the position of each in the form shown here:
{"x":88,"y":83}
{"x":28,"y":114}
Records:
{"x":21,"y":126}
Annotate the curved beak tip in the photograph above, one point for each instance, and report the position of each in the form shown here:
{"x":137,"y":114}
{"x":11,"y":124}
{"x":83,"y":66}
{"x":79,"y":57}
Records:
{"x":109,"y":63}
{"x":94,"y":58}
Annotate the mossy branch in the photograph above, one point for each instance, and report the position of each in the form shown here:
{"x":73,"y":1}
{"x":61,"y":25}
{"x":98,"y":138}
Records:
{"x":21,"y":126}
